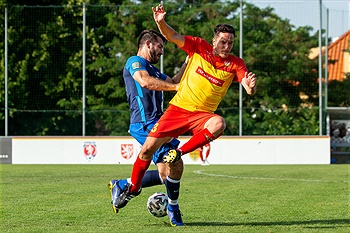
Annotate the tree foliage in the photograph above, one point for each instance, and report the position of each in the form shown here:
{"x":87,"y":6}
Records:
{"x":46,"y":65}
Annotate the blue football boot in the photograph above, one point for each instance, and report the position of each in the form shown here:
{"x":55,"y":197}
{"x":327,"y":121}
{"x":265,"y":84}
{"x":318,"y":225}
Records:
{"x":175,"y":218}
{"x":116,"y":191}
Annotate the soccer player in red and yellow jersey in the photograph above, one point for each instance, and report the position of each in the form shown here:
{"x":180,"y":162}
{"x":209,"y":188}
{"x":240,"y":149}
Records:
{"x":210,"y":71}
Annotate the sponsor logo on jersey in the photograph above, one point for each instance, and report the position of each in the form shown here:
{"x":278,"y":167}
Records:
{"x":209,"y":77}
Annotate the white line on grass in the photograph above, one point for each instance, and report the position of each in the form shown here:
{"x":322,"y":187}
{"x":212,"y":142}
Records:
{"x":267,"y":178}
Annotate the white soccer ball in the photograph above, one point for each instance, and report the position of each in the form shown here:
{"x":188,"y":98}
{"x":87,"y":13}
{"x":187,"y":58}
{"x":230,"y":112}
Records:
{"x":157,"y":204}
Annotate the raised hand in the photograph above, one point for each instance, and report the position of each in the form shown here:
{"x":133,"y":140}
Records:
{"x":158,"y":13}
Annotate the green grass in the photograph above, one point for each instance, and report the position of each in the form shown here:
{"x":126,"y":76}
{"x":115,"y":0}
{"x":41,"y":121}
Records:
{"x":215,"y":198}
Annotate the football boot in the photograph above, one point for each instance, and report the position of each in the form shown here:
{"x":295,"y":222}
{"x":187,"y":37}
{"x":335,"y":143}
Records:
{"x":175,"y":218}
{"x":173,"y":156}
{"x":125,"y":197}
{"x":116,"y":191}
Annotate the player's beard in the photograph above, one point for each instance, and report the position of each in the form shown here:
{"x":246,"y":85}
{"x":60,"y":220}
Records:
{"x":153,"y":56}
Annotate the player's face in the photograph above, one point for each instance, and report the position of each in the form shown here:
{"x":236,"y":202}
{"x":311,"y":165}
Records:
{"x":222,"y":44}
{"x":155,"y":51}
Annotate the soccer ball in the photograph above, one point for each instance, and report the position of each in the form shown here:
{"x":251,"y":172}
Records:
{"x":157,"y":204}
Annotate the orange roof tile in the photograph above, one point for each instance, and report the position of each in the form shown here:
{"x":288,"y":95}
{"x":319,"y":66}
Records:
{"x":338,"y":60}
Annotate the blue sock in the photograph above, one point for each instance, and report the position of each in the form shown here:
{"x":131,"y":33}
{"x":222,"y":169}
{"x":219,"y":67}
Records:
{"x":151,"y":178}
{"x":173,"y":191}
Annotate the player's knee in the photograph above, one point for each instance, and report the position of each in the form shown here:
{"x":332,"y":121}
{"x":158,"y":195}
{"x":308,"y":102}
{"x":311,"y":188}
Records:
{"x":146,"y":153}
{"x":222,"y":126}
{"x":219,"y":124}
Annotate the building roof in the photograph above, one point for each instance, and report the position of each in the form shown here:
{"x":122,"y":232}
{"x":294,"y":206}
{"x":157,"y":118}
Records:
{"x":339,"y":113}
{"x":338,"y":60}
{"x":313,"y":53}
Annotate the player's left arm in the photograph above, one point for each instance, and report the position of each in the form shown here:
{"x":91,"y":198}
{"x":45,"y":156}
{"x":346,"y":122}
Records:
{"x":178,"y":76}
{"x":249,"y":83}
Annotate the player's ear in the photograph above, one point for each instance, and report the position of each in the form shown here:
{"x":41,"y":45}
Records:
{"x":148,"y":43}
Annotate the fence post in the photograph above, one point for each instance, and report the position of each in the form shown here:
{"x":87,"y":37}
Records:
{"x":320,"y":118}
{"x":326,"y":63}
{"x":241,"y":56}
{"x":6,"y":72}
{"x":84,"y":66}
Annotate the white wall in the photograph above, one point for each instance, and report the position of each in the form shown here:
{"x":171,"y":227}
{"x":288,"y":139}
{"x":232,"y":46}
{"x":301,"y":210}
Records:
{"x":123,"y":150}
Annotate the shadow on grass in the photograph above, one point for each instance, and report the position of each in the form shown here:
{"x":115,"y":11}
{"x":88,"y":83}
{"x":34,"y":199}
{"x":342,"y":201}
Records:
{"x":332,"y":223}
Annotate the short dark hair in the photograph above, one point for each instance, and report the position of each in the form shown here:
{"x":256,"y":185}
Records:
{"x":224,"y":28}
{"x":150,"y":35}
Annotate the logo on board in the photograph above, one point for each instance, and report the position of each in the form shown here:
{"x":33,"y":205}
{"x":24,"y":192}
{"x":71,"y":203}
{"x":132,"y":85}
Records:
{"x":127,"y":150}
{"x":90,"y":150}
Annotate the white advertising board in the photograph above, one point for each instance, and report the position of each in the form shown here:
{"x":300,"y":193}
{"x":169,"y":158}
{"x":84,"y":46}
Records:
{"x":124,"y":150}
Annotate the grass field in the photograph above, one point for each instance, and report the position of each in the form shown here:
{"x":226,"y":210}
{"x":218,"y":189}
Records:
{"x":215,"y":198}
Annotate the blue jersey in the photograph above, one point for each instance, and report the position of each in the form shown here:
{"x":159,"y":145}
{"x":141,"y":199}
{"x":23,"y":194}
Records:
{"x":144,"y":104}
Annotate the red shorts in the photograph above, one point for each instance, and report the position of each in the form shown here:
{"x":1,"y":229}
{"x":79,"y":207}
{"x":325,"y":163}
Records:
{"x":177,"y":121}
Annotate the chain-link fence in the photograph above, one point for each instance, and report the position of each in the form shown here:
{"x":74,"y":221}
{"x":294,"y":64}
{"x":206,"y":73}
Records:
{"x":61,"y":71}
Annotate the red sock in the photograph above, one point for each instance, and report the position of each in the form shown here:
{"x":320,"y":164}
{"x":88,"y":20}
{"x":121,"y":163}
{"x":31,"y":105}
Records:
{"x":198,"y":140}
{"x":201,"y":154}
{"x":138,"y":171}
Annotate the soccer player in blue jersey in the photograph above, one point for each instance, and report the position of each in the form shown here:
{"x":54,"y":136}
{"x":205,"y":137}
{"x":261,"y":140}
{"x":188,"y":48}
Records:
{"x":144,"y":85}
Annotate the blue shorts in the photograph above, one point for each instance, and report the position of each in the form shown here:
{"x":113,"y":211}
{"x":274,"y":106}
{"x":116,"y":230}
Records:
{"x":140,"y":131}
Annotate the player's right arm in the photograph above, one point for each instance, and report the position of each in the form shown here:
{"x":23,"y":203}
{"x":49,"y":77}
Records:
{"x":168,"y":32}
